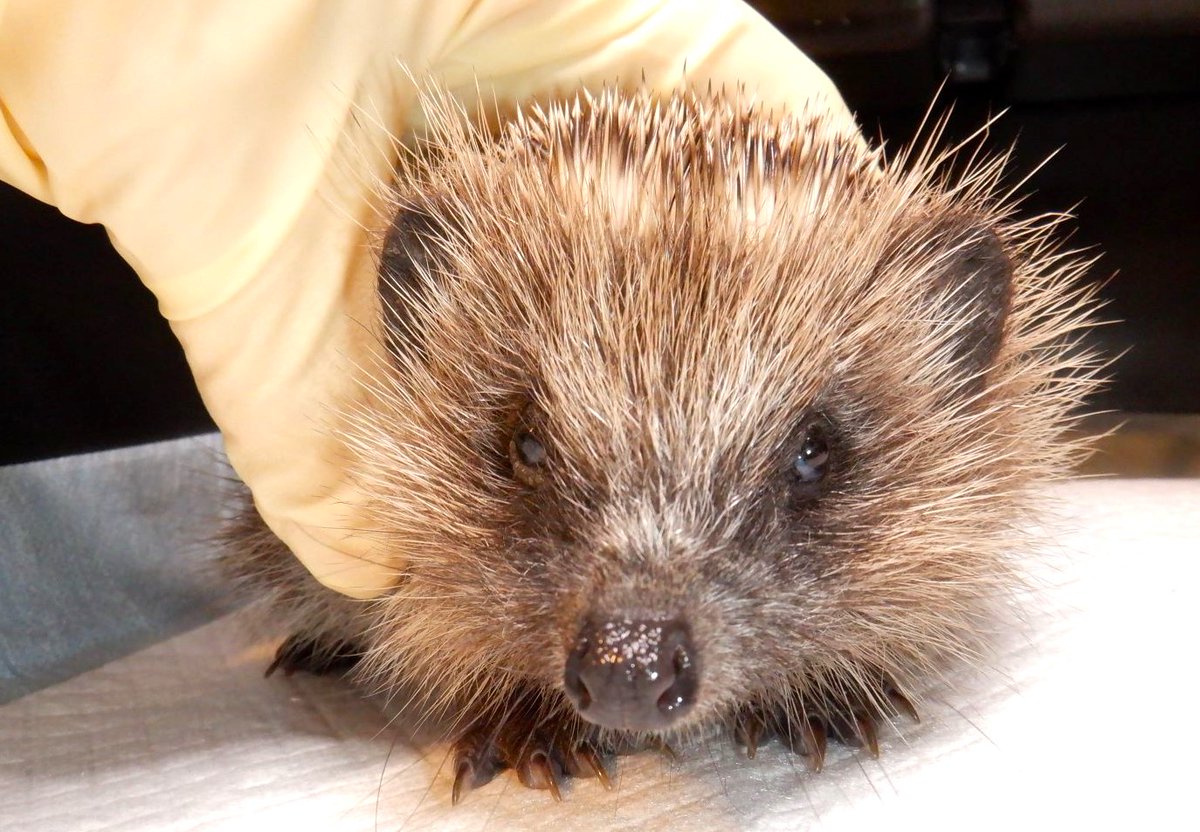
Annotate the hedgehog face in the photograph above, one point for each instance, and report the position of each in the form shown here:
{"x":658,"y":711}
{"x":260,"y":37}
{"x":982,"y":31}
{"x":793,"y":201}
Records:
{"x":688,"y":408}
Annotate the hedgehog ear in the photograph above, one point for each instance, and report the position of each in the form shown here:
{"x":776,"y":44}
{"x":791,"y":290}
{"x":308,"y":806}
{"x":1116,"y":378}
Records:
{"x":406,"y":271}
{"x":971,"y":291}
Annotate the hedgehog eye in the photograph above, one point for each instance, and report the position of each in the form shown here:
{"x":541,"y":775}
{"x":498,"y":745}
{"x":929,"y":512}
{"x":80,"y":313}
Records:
{"x":812,"y":460}
{"x":528,"y":457}
{"x":529,"y":449}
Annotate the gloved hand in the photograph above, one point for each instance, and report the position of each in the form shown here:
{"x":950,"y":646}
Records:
{"x":231,"y":151}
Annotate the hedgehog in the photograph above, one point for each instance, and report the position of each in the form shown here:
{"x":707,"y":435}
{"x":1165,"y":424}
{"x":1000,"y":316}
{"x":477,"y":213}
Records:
{"x":689,"y":414}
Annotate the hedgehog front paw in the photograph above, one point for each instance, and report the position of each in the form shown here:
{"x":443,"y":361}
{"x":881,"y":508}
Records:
{"x":542,"y":745}
{"x":806,"y":725}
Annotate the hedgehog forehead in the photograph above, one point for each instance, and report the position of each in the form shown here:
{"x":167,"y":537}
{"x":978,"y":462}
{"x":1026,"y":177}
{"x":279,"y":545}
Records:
{"x":610,"y":239}
{"x":627,"y":368}
{"x":610,"y":333}
{"x":706,"y":323}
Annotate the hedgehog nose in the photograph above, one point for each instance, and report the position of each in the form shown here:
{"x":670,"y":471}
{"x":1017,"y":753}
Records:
{"x":637,"y":675}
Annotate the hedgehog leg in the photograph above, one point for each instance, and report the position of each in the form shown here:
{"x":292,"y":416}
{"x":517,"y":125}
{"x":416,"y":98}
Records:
{"x":542,"y":745}
{"x":805,"y":726}
{"x":853,"y":722}
{"x":316,"y":656}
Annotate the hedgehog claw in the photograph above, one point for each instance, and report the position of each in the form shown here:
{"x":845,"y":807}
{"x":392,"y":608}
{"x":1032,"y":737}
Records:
{"x":806,"y":723}
{"x":815,"y":743}
{"x":476,"y":763}
{"x":902,"y":704}
{"x":663,"y":747}
{"x":462,"y":772}
{"x":539,"y":770}
{"x":544,"y":753}
{"x":752,"y":730}
{"x":865,"y":730}
{"x":808,"y":739}
{"x":464,"y":777}
{"x":748,"y":734}
{"x":585,"y":761}
{"x":596,"y":764}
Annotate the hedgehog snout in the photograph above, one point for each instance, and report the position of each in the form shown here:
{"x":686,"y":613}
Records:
{"x":633,"y":674}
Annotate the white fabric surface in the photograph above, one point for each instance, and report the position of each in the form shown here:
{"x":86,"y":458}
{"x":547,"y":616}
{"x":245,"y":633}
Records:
{"x":1088,"y":725}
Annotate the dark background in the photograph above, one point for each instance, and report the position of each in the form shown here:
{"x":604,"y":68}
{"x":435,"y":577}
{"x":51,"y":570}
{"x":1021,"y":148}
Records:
{"x":86,"y":363}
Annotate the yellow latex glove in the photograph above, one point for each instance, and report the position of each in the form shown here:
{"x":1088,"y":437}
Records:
{"x":231,"y":151}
